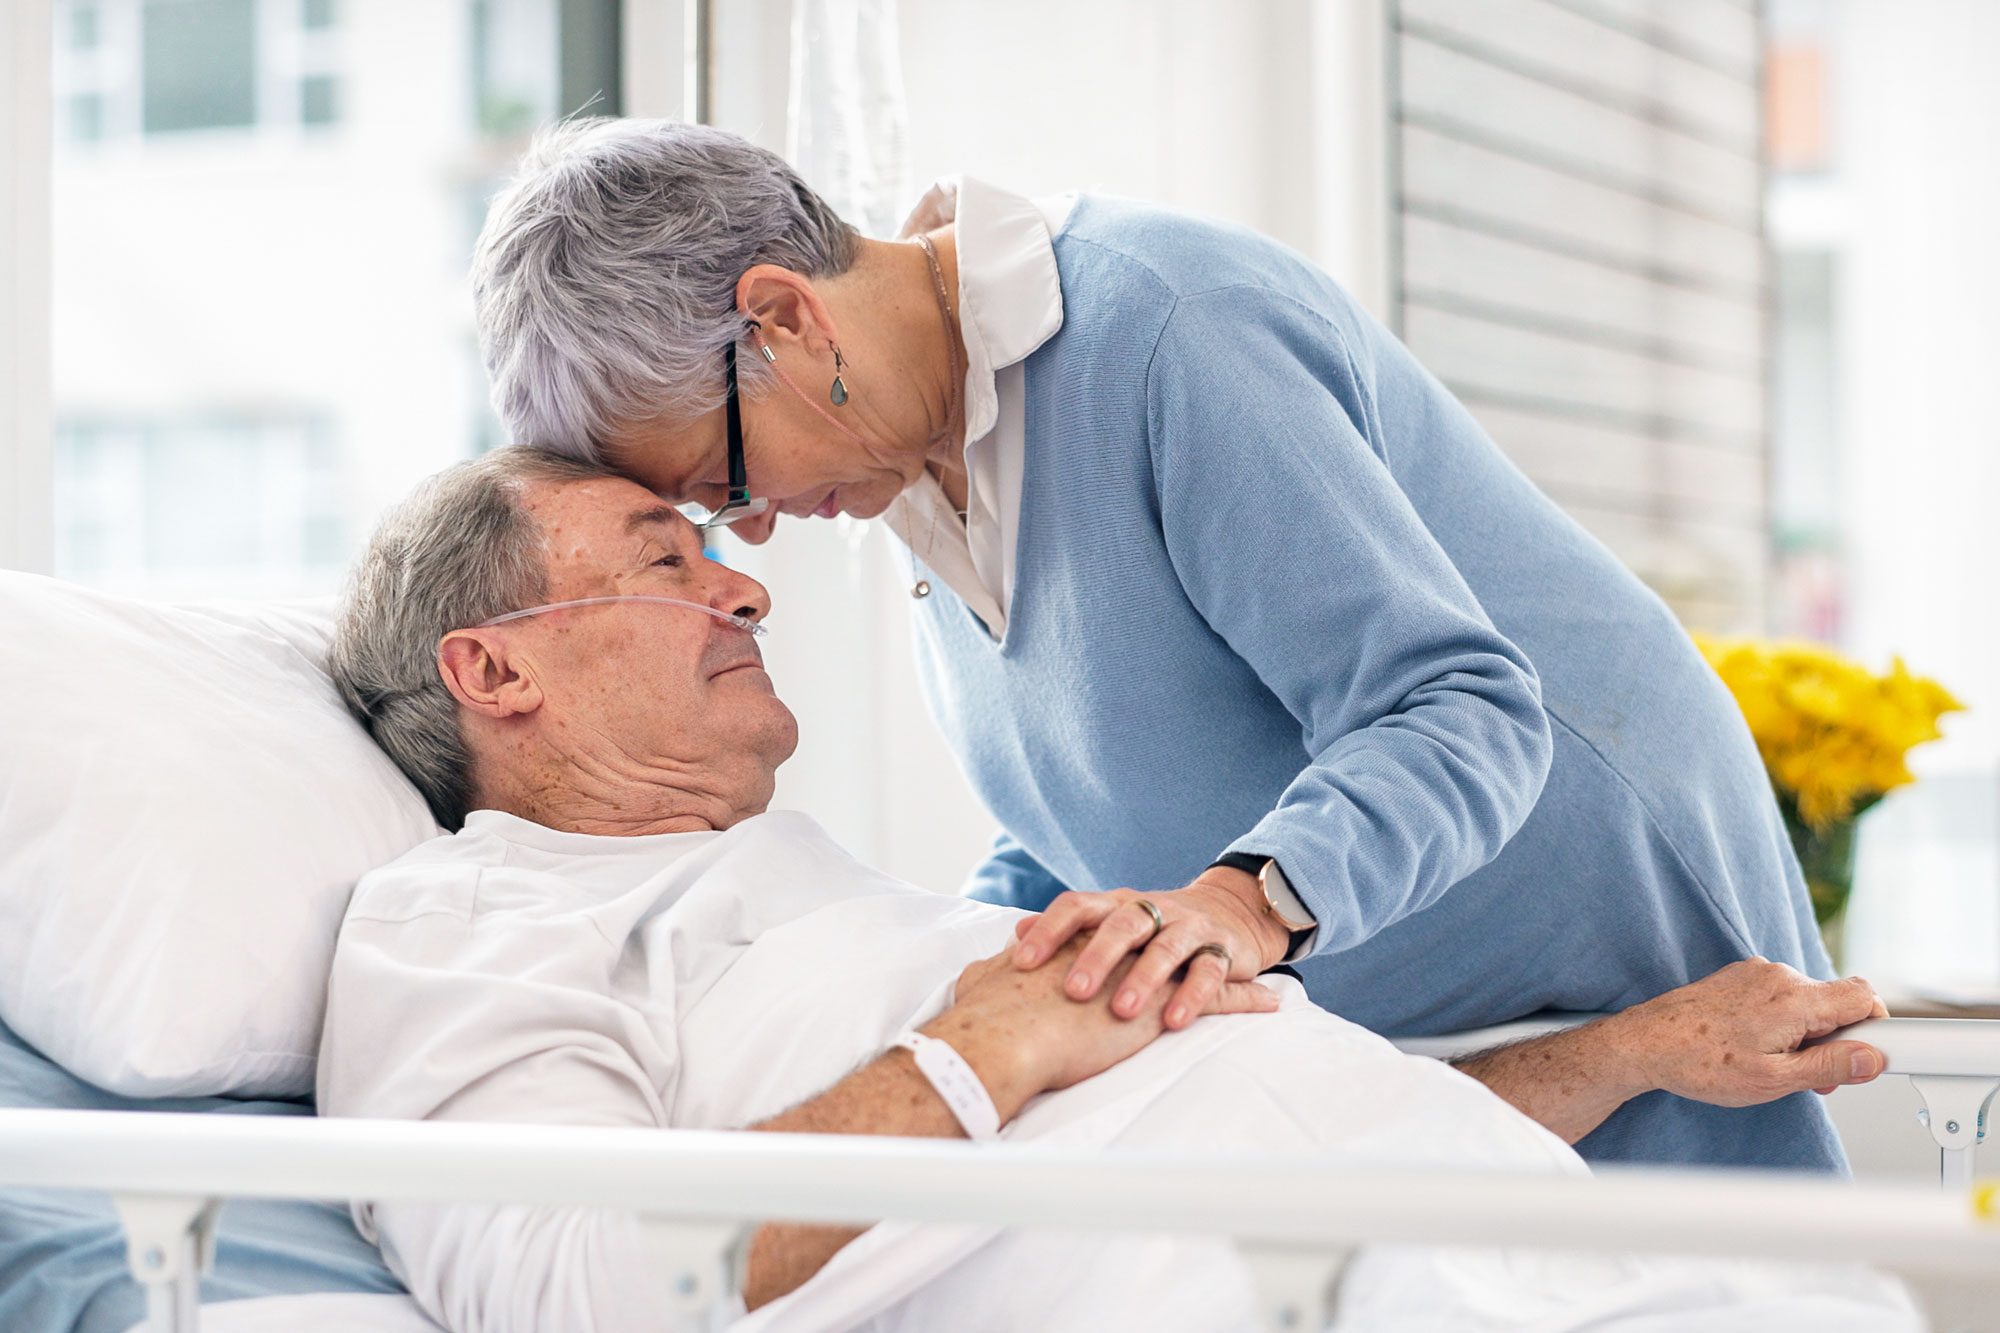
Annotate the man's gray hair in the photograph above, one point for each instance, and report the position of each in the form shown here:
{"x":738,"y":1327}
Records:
{"x":458,"y":551}
{"x":605,"y":278}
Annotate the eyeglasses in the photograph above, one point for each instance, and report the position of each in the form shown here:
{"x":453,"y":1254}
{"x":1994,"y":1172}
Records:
{"x":737,"y":504}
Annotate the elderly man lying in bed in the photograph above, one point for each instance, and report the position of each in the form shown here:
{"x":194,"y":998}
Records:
{"x":619,"y":934}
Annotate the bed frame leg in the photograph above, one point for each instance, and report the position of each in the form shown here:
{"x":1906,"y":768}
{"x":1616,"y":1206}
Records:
{"x":1295,"y":1285}
{"x":705,"y":1260}
{"x":169,"y":1244}
{"x":1954,"y":1111}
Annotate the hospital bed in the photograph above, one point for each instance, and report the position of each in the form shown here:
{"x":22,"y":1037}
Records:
{"x":111,"y":1207}
{"x":167,"y":1174}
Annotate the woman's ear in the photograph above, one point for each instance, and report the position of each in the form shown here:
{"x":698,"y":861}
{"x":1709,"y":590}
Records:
{"x":787,"y":306}
{"x":484,"y":677}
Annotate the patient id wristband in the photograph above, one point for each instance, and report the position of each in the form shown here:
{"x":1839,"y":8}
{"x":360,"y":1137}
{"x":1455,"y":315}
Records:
{"x":948,"y":1074}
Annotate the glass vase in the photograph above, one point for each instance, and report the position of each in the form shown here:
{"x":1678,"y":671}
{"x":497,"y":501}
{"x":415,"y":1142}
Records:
{"x":1826,"y":856}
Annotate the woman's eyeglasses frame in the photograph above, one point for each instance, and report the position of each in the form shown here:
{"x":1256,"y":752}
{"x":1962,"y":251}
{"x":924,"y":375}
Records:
{"x":737,"y":503}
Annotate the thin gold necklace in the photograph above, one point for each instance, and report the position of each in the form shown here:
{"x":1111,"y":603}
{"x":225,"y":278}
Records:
{"x":950,"y":327}
{"x":957,"y":352}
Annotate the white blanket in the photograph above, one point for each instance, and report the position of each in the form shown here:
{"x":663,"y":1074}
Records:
{"x":714,"y":980}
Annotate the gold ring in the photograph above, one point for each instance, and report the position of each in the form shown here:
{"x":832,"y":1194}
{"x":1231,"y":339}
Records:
{"x":1215,"y":949}
{"x":1159,"y":920}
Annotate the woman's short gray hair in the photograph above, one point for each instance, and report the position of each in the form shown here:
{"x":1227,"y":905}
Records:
{"x":458,"y":551}
{"x":605,"y":277}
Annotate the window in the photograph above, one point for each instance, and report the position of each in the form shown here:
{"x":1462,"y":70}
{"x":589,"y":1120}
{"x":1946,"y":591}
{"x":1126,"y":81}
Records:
{"x":83,"y":26}
{"x":127,"y":68}
{"x":1805,"y":459}
{"x":263,"y":217}
{"x":137,"y":511}
{"x":92,"y":50}
{"x":1796,"y":105}
{"x":513,"y":80}
{"x":198,"y":63}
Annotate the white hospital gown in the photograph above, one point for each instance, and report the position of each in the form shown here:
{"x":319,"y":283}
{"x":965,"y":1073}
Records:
{"x":514,"y":973}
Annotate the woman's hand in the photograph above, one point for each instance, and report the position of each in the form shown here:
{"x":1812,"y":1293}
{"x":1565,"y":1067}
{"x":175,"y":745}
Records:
{"x":1217,"y":928}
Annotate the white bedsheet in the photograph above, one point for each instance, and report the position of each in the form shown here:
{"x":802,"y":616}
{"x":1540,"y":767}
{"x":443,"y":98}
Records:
{"x":343,"y":1313}
{"x":712,"y":980}
{"x":1307,"y":1083}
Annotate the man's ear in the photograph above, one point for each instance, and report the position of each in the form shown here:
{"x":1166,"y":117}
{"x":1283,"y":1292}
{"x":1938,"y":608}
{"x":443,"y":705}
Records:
{"x":786,"y":305}
{"x":484,"y":677}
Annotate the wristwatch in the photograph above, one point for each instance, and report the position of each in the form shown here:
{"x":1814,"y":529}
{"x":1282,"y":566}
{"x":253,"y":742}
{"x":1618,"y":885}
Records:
{"x":1280,"y":899}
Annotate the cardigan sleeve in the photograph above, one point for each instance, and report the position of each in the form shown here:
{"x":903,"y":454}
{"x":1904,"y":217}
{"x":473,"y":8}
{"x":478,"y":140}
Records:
{"x":1010,"y":876}
{"x":1423,"y":725}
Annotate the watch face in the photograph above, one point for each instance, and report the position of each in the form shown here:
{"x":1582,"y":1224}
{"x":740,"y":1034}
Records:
{"x":1283,"y":901}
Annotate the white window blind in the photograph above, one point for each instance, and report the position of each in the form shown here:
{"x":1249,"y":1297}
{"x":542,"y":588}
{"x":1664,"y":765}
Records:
{"x":1579,"y":254}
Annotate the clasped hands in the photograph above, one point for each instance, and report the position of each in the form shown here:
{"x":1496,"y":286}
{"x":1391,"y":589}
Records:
{"x":1213,"y":931}
{"x":1086,"y":983}
{"x":1738,"y":1037}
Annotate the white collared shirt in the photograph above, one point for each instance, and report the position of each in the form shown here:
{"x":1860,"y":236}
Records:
{"x":1009,"y":304}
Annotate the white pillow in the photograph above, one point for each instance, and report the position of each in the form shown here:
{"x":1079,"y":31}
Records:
{"x":184,"y":808}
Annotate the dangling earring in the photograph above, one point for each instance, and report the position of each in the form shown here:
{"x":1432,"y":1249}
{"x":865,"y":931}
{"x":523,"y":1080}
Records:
{"x":838,"y":394}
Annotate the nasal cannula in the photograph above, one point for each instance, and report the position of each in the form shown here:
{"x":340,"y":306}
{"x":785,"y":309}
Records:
{"x":740,"y":622}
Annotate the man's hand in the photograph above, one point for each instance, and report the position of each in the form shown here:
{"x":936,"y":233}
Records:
{"x":1222,"y":910}
{"x":1731,"y":1039}
{"x":1023,"y":1035}
{"x":1020,"y":1034}
{"x":1735,"y":1038}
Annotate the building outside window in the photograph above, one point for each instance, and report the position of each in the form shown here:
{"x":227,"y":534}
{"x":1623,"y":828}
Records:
{"x":264,"y":212}
{"x":126,"y":68}
{"x":137,"y":500}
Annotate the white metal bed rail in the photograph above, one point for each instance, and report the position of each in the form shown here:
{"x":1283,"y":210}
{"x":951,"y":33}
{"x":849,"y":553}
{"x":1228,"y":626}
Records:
{"x":1954,"y":1064}
{"x":1296,"y":1222}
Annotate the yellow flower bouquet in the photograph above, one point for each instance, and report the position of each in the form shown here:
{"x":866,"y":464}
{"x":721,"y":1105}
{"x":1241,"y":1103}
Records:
{"x":1835,"y":738}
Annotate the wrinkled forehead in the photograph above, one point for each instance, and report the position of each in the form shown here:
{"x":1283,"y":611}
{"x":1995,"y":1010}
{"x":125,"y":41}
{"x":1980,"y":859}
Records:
{"x":595,"y":529}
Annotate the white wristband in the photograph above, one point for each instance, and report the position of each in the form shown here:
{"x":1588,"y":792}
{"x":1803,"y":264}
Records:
{"x":954,"y":1081}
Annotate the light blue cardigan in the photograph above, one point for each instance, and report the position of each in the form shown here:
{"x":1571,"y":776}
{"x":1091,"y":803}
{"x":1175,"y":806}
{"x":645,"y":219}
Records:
{"x":1277,"y":592}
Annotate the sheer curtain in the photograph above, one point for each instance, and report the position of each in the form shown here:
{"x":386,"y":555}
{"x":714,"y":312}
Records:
{"x":870,"y":765}
{"x":847,"y":129}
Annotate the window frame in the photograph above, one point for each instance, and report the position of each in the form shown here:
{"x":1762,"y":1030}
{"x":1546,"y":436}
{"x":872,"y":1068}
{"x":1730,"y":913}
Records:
{"x":655,"y":46}
{"x":27,"y":499}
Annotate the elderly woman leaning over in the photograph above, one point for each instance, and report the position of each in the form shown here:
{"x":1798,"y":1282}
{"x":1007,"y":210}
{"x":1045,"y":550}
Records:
{"x":617,"y":934}
{"x":1218,"y":595}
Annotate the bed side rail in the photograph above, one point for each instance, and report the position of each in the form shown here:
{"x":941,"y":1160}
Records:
{"x":1954,"y":1064}
{"x":1296,"y":1222}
